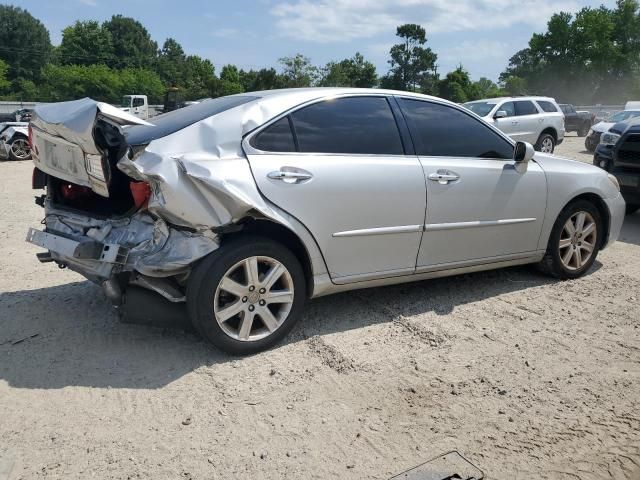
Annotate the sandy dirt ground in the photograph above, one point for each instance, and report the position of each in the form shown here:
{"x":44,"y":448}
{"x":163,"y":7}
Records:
{"x":527,"y":377}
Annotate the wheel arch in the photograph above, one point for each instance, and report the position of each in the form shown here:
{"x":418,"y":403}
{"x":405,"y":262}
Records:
{"x":551,"y":131}
{"x":600,"y":204}
{"x":280,"y":234}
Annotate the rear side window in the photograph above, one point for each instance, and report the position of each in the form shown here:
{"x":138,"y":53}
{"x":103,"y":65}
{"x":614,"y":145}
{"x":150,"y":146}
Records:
{"x":525,"y":107}
{"x":549,"y":107}
{"x":357,"y":125}
{"x":443,"y":131}
{"x":138,"y":102}
{"x":277,"y":137}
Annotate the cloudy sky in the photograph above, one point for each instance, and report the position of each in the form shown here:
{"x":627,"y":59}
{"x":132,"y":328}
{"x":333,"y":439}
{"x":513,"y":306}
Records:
{"x":480,"y":34}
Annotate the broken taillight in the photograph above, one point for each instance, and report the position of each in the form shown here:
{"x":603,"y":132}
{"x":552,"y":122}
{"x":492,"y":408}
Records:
{"x":71,"y":191}
{"x":141,"y":192}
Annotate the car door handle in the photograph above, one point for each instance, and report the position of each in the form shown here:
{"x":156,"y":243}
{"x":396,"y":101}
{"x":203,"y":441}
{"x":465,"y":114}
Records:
{"x":514,"y":122}
{"x":288,"y":176}
{"x":443,"y":178}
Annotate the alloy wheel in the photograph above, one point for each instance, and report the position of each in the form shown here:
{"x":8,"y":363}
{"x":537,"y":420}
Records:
{"x":20,"y":149}
{"x":547,"y":145}
{"x":578,"y":240}
{"x":254,"y":298}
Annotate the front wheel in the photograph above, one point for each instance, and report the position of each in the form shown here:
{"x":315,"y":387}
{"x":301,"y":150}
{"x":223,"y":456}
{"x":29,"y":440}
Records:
{"x":546,"y":143}
{"x":574,"y":242}
{"x":247,"y":295}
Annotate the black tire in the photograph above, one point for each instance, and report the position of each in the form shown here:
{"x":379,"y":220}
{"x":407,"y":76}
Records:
{"x":632,"y":208}
{"x":583,"y":130}
{"x":589,"y":146}
{"x":552,"y":264}
{"x":12,"y":155}
{"x":545,"y":137}
{"x":209,"y":272}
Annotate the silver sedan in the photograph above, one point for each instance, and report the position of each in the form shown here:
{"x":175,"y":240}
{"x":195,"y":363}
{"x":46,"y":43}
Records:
{"x":242,"y":208}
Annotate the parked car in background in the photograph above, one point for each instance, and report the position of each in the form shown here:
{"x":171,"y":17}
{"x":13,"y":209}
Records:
{"x":537,"y":120}
{"x":14,"y":141}
{"x":576,"y":121}
{"x":619,"y":154}
{"x":244,"y":207}
{"x":595,"y":132}
{"x":21,"y":115}
{"x":632,"y":105}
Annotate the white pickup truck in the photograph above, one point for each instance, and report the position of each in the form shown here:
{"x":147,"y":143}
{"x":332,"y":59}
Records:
{"x":136,"y":105}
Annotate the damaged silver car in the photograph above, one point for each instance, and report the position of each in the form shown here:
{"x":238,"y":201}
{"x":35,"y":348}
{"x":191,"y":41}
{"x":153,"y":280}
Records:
{"x":242,"y":208}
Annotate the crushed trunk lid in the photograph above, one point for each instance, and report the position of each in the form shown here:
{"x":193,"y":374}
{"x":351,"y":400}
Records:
{"x":64,"y":143}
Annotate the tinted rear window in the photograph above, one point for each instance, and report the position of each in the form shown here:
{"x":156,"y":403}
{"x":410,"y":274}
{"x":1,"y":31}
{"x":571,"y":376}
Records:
{"x":525,"y":107}
{"x":171,"y":122}
{"x":277,"y":137}
{"x":357,"y":125}
{"x":548,"y":106}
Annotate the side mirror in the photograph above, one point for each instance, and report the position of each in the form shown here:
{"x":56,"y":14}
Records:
{"x":500,"y":114}
{"x":523,"y":152}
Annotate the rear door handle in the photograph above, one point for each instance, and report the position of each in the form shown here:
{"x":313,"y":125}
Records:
{"x":443,"y":178}
{"x":289,"y":176}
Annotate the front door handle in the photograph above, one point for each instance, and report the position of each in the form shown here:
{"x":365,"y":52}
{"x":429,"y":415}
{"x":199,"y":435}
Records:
{"x":290,"y":176}
{"x":443,"y":178}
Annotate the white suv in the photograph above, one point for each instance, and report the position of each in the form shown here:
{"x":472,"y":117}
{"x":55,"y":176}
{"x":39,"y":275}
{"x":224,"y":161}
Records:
{"x":537,"y":120}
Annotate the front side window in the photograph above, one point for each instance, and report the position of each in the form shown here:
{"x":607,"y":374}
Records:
{"x":508,"y":107}
{"x":443,"y":131}
{"x":525,"y":107}
{"x":355,"y":125}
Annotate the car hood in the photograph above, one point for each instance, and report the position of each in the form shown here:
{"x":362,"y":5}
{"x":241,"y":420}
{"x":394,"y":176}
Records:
{"x":602,"y":127}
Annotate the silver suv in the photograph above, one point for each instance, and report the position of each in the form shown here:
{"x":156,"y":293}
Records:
{"x":536,"y":120}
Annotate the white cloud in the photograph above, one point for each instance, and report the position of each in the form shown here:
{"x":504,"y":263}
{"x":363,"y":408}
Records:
{"x":326,"y":21}
{"x":90,"y":3}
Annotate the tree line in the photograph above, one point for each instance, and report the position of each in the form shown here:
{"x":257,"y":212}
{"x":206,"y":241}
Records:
{"x":592,"y":56}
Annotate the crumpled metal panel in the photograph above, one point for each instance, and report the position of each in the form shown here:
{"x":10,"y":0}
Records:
{"x":155,"y":249}
{"x":74,"y":120}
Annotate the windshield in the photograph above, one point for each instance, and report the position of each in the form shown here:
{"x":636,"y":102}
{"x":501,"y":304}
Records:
{"x":126,"y":102}
{"x":623,"y":115}
{"x":480,"y":108}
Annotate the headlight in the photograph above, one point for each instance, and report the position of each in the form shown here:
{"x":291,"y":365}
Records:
{"x":609,"y":138}
{"x":590,"y":132}
{"x":614,"y":180}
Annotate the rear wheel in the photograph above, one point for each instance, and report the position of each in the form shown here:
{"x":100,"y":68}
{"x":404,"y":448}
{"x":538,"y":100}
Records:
{"x":19,"y":149}
{"x":574,"y":242}
{"x":546,"y":143}
{"x":247,"y":295}
{"x":583,"y":130}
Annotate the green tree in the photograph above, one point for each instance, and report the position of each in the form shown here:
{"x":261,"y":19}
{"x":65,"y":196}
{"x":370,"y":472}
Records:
{"x":4,"y":82}
{"x":515,"y":85}
{"x":592,"y":56}
{"x":228,"y":83}
{"x":85,"y":43}
{"x":132,"y":44}
{"x":413,"y":65}
{"x":24,"y":43}
{"x":486,"y":88}
{"x":199,"y":74}
{"x":350,"y":72}
{"x":458,"y":87}
{"x":297,"y":71}
{"x":171,"y":63}
{"x":263,"y":79}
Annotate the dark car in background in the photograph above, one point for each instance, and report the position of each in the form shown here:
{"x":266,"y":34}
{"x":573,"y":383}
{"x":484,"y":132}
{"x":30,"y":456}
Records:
{"x":576,"y":121}
{"x":21,"y":115}
{"x":619,"y":154}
